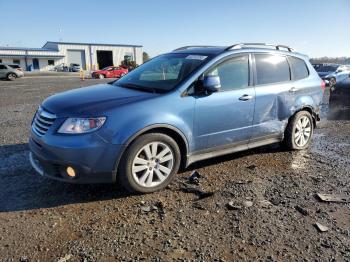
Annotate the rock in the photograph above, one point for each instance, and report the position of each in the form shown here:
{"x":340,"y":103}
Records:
{"x":265,"y":203}
{"x":145,"y":209}
{"x":333,"y":198}
{"x":247,"y":203}
{"x":302,"y":210}
{"x":231,"y":206}
{"x":65,"y":258}
{"x":194,"y":177}
{"x":154,"y":208}
{"x":242,"y":182}
{"x":252,"y":167}
{"x":202,"y":194}
{"x":321,"y":228}
{"x":24,"y":259}
{"x":198,"y":205}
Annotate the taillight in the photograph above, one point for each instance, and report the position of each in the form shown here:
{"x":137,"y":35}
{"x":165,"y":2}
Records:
{"x":19,"y":69}
{"x":323,"y":85}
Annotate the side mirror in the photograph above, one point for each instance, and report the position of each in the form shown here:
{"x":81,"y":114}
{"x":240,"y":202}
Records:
{"x":212,"y":83}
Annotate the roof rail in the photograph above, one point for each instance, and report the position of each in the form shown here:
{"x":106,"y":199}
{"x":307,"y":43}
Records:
{"x":192,"y":46}
{"x":243,"y":45}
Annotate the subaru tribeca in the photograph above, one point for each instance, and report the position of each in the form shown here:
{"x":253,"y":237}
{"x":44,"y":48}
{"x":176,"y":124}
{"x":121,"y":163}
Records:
{"x":188,"y":105}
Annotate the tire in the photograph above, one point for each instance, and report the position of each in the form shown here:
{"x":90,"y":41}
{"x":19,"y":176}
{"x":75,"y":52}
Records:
{"x":145,"y":174}
{"x":101,"y":76}
{"x":299,"y":126}
{"x":11,"y":76}
{"x":332,"y":82}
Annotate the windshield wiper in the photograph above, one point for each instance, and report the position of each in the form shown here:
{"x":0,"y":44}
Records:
{"x":137,"y":87}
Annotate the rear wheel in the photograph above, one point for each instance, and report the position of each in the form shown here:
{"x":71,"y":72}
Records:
{"x":332,"y":81}
{"x":299,"y":131}
{"x":11,"y":76}
{"x":150,"y":163}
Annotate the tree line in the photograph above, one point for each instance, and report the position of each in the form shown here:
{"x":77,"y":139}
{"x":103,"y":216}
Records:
{"x":326,"y":59}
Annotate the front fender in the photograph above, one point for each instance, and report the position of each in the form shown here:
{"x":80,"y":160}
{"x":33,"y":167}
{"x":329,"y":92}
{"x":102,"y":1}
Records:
{"x":169,"y":111}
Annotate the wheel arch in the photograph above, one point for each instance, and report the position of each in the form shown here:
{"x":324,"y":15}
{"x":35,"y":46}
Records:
{"x":309,"y":109}
{"x":166,"y":129}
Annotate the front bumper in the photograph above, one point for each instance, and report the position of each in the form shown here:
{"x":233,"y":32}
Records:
{"x":93,"y":160}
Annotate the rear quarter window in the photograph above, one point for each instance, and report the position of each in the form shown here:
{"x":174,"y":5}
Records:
{"x":271,"y":69}
{"x":299,"y":68}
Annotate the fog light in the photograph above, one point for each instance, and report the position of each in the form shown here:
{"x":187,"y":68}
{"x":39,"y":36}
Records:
{"x":70,"y":171}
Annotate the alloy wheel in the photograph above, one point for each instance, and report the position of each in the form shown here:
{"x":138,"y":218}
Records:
{"x":302,"y":131}
{"x":152,"y":164}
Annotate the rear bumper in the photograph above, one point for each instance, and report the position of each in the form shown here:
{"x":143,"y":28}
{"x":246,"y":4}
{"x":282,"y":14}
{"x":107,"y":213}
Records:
{"x":93,"y":163}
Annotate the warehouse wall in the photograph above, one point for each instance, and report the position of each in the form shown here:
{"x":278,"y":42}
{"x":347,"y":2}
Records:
{"x":118,"y":54}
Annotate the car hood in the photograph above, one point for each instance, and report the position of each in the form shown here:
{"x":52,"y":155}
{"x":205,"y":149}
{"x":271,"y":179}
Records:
{"x":93,"y":100}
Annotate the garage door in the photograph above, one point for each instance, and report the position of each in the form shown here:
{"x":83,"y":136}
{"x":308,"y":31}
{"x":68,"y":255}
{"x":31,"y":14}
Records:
{"x":76,"y":57}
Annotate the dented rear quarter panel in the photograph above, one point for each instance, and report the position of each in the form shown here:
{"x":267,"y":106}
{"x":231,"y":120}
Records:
{"x":275,"y":103}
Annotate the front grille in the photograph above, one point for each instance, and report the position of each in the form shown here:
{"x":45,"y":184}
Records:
{"x":42,"y":121}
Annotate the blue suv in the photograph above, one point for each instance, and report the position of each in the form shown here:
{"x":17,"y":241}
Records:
{"x":194,"y":103}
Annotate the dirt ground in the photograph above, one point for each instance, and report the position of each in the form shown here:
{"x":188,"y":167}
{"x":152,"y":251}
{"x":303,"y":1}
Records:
{"x":254,"y":205}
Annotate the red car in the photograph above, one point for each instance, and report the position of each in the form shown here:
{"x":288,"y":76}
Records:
{"x":110,"y":72}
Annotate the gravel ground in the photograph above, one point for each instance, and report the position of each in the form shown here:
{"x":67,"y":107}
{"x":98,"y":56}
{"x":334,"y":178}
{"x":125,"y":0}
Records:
{"x":254,"y":205}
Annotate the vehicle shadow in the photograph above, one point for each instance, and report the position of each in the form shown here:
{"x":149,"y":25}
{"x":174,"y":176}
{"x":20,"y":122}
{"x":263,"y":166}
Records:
{"x":22,"y":189}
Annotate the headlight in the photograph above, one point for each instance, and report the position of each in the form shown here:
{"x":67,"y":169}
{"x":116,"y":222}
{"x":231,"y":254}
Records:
{"x":81,"y":125}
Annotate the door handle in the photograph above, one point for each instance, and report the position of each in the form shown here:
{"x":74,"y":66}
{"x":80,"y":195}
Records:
{"x":293,"y":90}
{"x":245,"y":97}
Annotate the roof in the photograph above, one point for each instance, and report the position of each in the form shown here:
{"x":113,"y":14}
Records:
{"x":34,"y":56}
{"x":215,"y":50}
{"x":101,"y":44}
{"x":26,"y":49}
{"x":212,"y":50}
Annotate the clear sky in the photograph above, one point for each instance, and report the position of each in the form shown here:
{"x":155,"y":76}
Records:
{"x":314,"y":27}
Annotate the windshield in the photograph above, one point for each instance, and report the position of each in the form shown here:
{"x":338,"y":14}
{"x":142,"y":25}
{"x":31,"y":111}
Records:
{"x":163,"y":73}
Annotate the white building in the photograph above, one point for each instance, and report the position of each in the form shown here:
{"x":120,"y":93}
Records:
{"x":89,"y":56}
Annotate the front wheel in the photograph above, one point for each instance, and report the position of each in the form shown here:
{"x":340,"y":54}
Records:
{"x":150,"y":163}
{"x":11,"y":76}
{"x":101,"y":76}
{"x":299,"y":131}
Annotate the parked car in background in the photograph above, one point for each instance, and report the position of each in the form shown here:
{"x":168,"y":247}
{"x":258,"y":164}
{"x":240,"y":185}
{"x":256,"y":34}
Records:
{"x":74,"y":68}
{"x":326,"y":69}
{"x":188,"y":105}
{"x":61,"y":68}
{"x":110,"y":72}
{"x":339,"y":100}
{"x":15,"y":66}
{"x":340,"y":74}
{"x":9,"y":73}
{"x":327,"y":72}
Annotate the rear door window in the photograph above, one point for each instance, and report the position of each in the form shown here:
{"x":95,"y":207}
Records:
{"x":271,"y":69}
{"x":299,"y":68}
